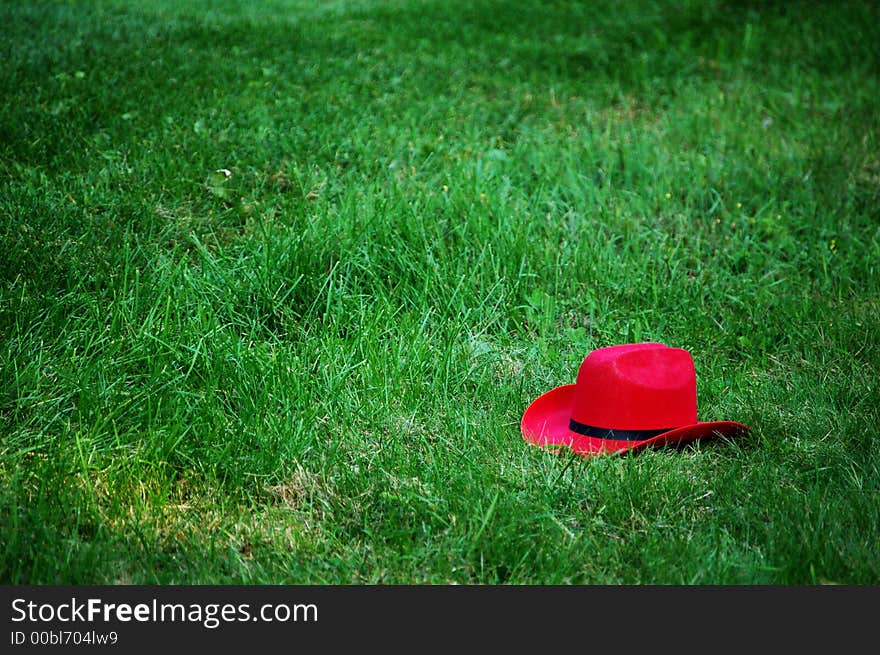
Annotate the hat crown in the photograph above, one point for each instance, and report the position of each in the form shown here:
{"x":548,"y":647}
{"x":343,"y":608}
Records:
{"x":644,"y":386}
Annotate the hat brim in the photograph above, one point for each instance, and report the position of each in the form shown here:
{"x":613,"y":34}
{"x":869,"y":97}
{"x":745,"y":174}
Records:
{"x":545,"y":423}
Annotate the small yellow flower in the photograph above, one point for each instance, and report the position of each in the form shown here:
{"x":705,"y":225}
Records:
{"x":445,"y":188}
{"x":668,"y":195}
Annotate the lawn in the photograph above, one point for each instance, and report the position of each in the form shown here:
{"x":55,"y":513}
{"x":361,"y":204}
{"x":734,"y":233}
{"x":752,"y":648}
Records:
{"x":278,"y":280}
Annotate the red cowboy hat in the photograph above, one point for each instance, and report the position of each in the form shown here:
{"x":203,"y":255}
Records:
{"x":625,"y":398}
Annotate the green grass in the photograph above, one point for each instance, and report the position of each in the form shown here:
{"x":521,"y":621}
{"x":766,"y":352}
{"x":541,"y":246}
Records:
{"x":313,"y":371}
